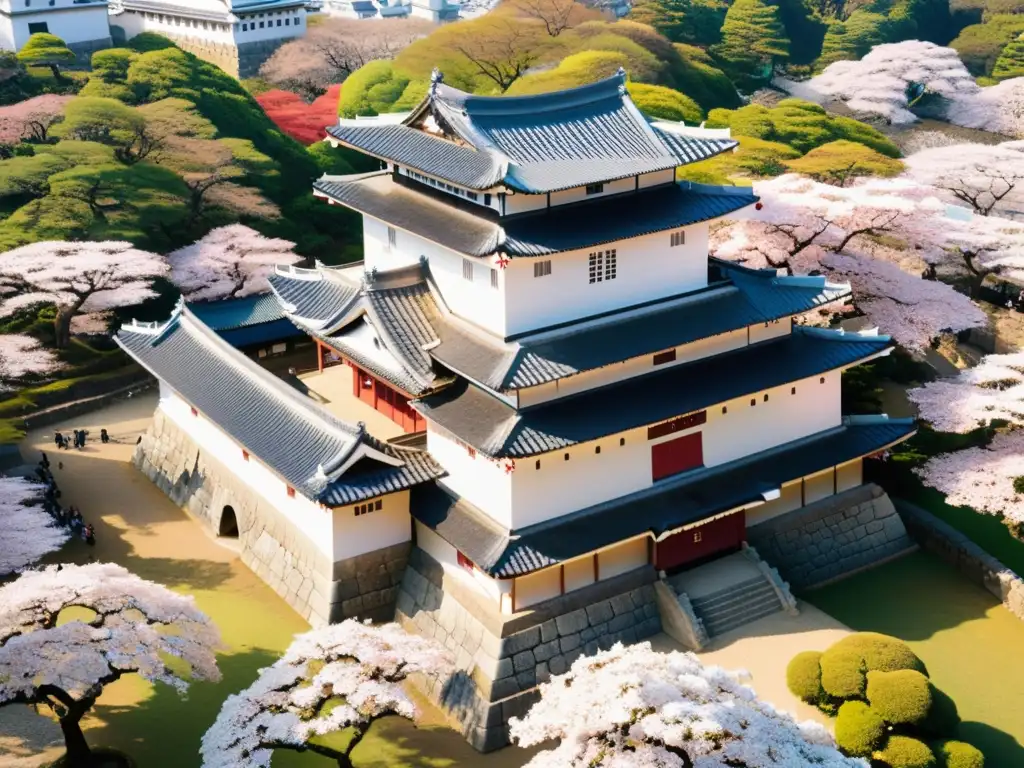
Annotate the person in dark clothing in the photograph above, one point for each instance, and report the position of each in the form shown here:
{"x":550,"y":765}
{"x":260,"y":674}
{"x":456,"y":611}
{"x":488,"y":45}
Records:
{"x":82,"y":437}
{"x":45,"y":460}
{"x":89,"y":534}
{"x":104,"y":437}
{"x":58,"y":439}
{"x":78,"y":439}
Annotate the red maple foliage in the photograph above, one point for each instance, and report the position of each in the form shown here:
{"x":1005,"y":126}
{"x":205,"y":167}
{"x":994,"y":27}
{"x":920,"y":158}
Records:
{"x":304,"y":122}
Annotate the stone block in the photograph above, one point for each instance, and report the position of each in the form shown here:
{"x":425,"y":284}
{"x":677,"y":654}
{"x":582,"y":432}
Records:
{"x":520,"y":641}
{"x":588,"y":634}
{"x":545,"y":651}
{"x":558,"y":665}
{"x":622,"y":604}
{"x":600,"y":630}
{"x":571,"y":623}
{"x":542,"y":673}
{"x":352,"y":607}
{"x":526,"y":679}
{"x":569,"y":643}
{"x":599,"y":612}
{"x":502,"y":689}
{"x":620,"y":622}
{"x":524,"y":660}
{"x":548,"y":631}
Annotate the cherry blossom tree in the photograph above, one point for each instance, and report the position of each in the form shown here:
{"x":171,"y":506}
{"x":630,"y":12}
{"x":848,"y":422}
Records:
{"x":981,"y":176}
{"x":992,"y":390}
{"x":342,"y":676}
{"x":31,"y":119}
{"x":138,"y":625}
{"x":229,"y":262}
{"x":29,"y":531}
{"x":893,"y":78}
{"x":630,"y":707}
{"x":23,"y":357}
{"x":79,"y":277}
{"x":854,"y":233}
{"x":989,"y":479}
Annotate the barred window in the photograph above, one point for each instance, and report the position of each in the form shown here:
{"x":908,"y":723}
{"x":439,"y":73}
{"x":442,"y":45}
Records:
{"x":467,"y":269}
{"x":494,"y":278}
{"x":595,"y":267}
{"x":595,"y":189}
{"x":678,"y":238}
{"x":542,"y":268}
{"x":610,"y":264}
{"x":392,"y":237}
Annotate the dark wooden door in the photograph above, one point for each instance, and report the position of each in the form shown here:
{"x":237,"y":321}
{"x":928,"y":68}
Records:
{"x":694,"y":544}
{"x":675,"y":456}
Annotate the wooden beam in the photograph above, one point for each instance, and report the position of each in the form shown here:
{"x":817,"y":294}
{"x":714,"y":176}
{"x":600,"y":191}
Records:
{"x":561,"y":577}
{"x":597,"y":569}
{"x":513,"y":595}
{"x":319,"y":356}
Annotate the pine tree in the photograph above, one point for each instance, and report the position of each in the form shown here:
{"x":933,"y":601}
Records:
{"x":1011,"y":61}
{"x":752,"y":39}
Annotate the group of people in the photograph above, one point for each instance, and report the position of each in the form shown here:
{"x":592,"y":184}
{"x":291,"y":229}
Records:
{"x":70,"y":517}
{"x":62,"y":441}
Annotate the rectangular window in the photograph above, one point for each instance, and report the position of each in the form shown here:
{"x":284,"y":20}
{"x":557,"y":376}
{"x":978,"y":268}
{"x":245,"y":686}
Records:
{"x":595,"y":267}
{"x":678,"y":238}
{"x":543,"y":268}
{"x":35,"y":27}
{"x":392,"y":237}
{"x":467,"y":269}
{"x":377,"y":505}
{"x":245,"y":27}
{"x":279,"y":22}
{"x":595,"y":189}
{"x":665,"y":357}
{"x":494,"y":278}
{"x":487,"y":198}
{"x":472,"y":195}
{"x":610,"y":264}
{"x":261,"y":24}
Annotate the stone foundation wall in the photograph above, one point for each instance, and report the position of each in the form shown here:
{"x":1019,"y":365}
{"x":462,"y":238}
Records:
{"x":833,"y":537}
{"x":501,"y":659}
{"x":279,"y":553}
{"x":252,"y":55}
{"x":84,"y":50}
{"x":241,"y":61}
{"x":963,"y":554}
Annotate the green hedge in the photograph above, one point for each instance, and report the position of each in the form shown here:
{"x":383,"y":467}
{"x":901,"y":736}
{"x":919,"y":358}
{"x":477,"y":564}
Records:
{"x":803,"y":676}
{"x":958,"y":754}
{"x":943,"y":717}
{"x":843,"y":673}
{"x":906,"y":752}
{"x":902,"y":697}
{"x":859,"y":729}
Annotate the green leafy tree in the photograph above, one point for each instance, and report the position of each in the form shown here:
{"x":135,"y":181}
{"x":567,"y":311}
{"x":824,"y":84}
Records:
{"x":44,"y":49}
{"x":753,"y":159}
{"x":110,"y":73}
{"x":852,"y":39}
{"x":373,"y":88}
{"x":840,"y":162}
{"x":576,"y":70}
{"x":1011,"y":61}
{"x":753,"y":39}
{"x":805,"y":27}
{"x":110,"y":122}
{"x":980,"y":45}
{"x":663,"y":103}
{"x":697,"y":22}
{"x":694,"y":74}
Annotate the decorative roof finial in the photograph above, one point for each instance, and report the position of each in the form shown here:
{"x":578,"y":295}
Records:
{"x":436,"y":78}
{"x":621,"y":72}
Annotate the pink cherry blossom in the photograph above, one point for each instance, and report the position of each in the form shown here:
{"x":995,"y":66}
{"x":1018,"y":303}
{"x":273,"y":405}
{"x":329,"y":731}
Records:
{"x":631,"y":707}
{"x":229,"y":262}
{"x":137,"y":626}
{"x":984,"y":177}
{"x":23,"y":356}
{"x":29,"y":531}
{"x":360,"y":665}
{"x":994,"y":389}
{"x":982,"y":478}
{"x":31,"y":118}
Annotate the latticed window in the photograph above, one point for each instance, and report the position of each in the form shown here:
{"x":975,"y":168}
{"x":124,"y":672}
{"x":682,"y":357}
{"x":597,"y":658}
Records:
{"x":392,"y":237}
{"x":494,"y":278}
{"x":542,"y":268}
{"x":610,"y":262}
{"x":602,"y":265}
{"x":467,"y":269}
{"x":595,"y":189}
{"x":678,"y":238}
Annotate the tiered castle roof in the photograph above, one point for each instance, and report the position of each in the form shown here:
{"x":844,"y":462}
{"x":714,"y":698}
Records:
{"x":533,"y":144}
{"x":318,"y":454}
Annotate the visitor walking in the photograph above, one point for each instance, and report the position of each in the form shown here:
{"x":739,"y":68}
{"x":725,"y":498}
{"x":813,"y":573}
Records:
{"x":58,"y":440}
{"x":89,"y":534}
{"x":104,"y":437}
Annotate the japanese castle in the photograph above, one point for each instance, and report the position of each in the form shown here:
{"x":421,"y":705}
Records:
{"x":571,"y":435}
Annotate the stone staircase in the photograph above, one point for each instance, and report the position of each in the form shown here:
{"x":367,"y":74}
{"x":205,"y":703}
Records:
{"x":736,"y":605}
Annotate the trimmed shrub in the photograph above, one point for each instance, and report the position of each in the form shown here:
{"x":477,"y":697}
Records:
{"x":663,"y":103}
{"x":843,"y":673}
{"x":958,"y":754}
{"x":803,"y":677}
{"x":859,"y":729}
{"x":902,"y":697}
{"x":942,"y":718}
{"x":905,"y":752}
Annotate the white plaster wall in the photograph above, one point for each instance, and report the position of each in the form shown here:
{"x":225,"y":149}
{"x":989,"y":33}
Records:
{"x":311,"y":519}
{"x":658,"y":177}
{"x":566,"y":294}
{"x":482,"y":482}
{"x":475,"y":301}
{"x":538,"y":587}
{"x":576,"y":194}
{"x":790,"y":499}
{"x":439,"y":549}
{"x":72,"y":23}
{"x":819,"y":486}
{"x":181,"y":25}
{"x":771,"y":330}
{"x":579,"y":573}
{"x":296,"y":26}
{"x":357,"y":534}
{"x":624,"y":557}
{"x":849,"y":475}
{"x":559,"y":486}
{"x":610,"y":374}
{"x":377,"y":252}
{"x":7,"y":34}
{"x":522,"y":203}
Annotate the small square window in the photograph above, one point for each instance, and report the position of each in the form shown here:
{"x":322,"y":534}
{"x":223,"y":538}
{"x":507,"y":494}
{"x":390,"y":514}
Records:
{"x":279,"y":22}
{"x":392,"y":237}
{"x":821,"y":380}
{"x":538,"y":464}
{"x":487,"y":198}
{"x":597,"y":449}
{"x":622,"y":441}
{"x":792,"y":391}
{"x":542,"y":268}
{"x":665,"y":357}
{"x":725,"y":409}
{"x":610,"y":264}
{"x":494,"y":278}
{"x":378,"y":504}
{"x":766,"y":397}
{"x":467,"y":269}
{"x":595,"y":189}
{"x":678,"y":238}
{"x":262,"y":24}
{"x":753,"y":402}
{"x":595,"y":267}
{"x":567,"y":457}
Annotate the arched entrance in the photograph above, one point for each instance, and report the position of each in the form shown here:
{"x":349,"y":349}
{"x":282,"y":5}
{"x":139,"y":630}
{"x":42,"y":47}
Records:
{"x":228,"y":523}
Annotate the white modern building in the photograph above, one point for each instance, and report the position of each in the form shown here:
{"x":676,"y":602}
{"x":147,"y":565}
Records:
{"x":237,"y":35}
{"x":82,"y":24}
{"x":601,"y":410}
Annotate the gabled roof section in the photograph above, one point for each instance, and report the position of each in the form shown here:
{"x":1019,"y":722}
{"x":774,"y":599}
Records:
{"x":317,"y":296}
{"x":474,"y":231}
{"x":228,"y":314}
{"x":664,"y":507}
{"x":304,"y":444}
{"x":500,"y":431}
{"x":533,"y":144}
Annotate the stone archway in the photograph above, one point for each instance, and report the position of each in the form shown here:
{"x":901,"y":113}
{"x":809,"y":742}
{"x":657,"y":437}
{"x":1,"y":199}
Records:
{"x":228,"y":527}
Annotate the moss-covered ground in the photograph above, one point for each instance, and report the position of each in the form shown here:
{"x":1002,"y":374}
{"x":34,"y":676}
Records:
{"x":969,"y":641}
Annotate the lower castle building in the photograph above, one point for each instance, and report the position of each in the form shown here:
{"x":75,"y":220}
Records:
{"x":539,"y":420}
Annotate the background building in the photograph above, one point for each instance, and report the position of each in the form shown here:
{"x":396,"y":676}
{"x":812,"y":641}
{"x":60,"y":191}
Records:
{"x":82,"y":24}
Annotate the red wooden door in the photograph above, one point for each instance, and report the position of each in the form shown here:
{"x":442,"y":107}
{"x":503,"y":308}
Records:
{"x":701,"y":542}
{"x":674,"y":456}
{"x":365,"y":384}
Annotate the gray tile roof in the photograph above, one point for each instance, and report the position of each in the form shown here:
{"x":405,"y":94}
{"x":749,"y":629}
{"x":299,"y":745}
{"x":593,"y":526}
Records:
{"x":422,"y":151}
{"x":535,"y":144}
{"x":475,"y":231}
{"x":317,"y":295}
{"x":498,"y":430}
{"x":667,"y":505}
{"x":301,"y":442}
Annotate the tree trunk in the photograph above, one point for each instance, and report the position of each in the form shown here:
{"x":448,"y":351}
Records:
{"x":62,"y":327}
{"x":55,"y":69}
{"x":79,"y":753}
